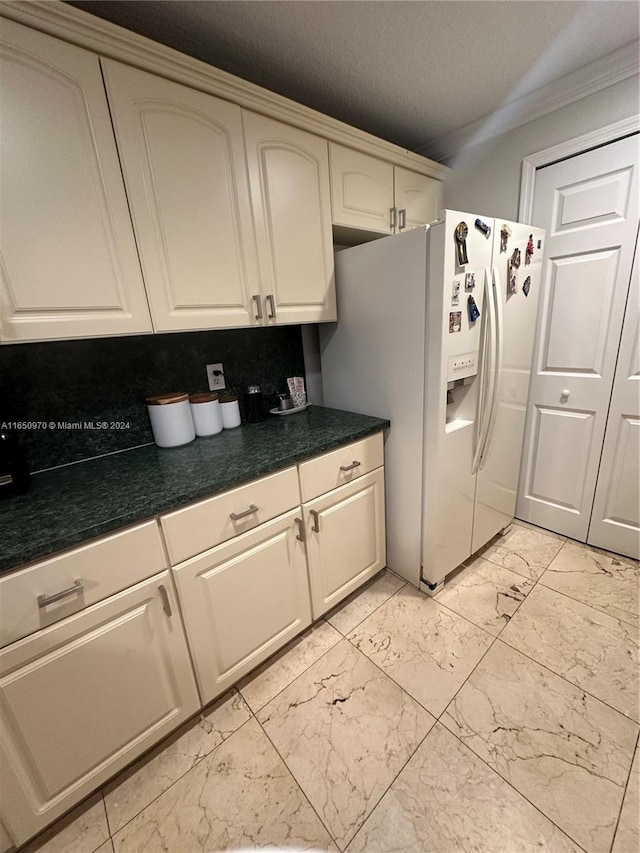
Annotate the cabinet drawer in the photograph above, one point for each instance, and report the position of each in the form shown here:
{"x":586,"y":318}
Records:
{"x":196,"y":528}
{"x":103,"y":567}
{"x":327,"y":472}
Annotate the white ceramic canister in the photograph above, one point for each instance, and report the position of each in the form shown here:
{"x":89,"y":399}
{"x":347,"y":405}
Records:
{"x":230,"y":411}
{"x":171,"y":421}
{"x":206,"y":414}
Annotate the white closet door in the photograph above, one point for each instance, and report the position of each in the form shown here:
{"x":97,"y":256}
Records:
{"x":68,"y":264}
{"x":615,"y":521}
{"x":184,"y":165}
{"x":589,"y":207}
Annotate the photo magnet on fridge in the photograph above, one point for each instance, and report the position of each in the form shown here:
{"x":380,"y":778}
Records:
{"x":482,"y":226}
{"x":473,"y":309}
{"x":512,"y":283}
{"x":455,"y":321}
{"x":469,"y":281}
{"x":461,"y":233}
{"x":526,"y":287}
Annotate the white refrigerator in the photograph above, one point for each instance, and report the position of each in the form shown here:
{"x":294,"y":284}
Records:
{"x":406,"y":347}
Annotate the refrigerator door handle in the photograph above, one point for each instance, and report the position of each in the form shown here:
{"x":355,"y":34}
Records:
{"x":488,"y":361}
{"x":499,"y":327}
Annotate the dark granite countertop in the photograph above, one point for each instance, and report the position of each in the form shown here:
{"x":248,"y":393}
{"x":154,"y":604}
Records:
{"x":75,"y":503}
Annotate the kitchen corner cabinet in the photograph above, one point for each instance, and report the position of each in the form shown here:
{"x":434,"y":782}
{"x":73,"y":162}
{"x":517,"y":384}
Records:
{"x":243,"y":600}
{"x":289,"y":183}
{"x":375,"y":196}
{"x":184,"y":165}
{"x":69,"y":262}
{"x":85,"y":696}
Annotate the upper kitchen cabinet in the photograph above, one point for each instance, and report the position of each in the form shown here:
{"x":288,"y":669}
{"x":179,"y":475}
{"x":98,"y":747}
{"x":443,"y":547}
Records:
{"x":69,"y":266}
{"x":361,"y":190}
{"x":417,"y":198}
{"x":375,"y":196}
{"x":184,"y":167}
{"x":289,"y":180}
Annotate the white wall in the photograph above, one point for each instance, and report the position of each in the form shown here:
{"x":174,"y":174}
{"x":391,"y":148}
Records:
{"x":486,"y":179}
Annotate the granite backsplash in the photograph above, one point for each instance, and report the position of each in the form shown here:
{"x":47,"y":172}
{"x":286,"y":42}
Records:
{"x":72,"y":384}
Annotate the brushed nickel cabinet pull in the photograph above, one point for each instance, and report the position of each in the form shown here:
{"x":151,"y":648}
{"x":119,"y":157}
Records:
{"x":43,"y":600}
{"x":392,"y":217}
{"x":403,"y":219}
{"x":236,"y":516}
{"x":300,"y":535}
{"x":272,"y":309}
{"x":354,"y":464}
{"x":166,"y":604}
{"x":316,"y":521}
{"x":258,"y":314}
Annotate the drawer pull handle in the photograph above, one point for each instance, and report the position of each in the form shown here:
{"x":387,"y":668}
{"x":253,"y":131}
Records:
{"x":43,"y":600}
{"x":354,"y":464}
{"x":166,"y":604}
{"x":403,"y":219}
{"x":300,"y":535}
{"x":272,"y":307}
{"x":392,"y":218}
{"x":236,"y":516}
{"x":258,"y":314}
{"x":316,"y":521}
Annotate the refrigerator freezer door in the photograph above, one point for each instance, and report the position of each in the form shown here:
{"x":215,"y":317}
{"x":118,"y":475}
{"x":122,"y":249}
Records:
{"x":497,"y":478}
{"x":451,"y":391}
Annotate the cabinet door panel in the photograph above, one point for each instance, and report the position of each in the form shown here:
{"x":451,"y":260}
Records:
{"x":244,"y":600}
{"x":419,"y":196}
{"x":289,"y":179}
{"x":69,"y":265}
{"x":81,"y":699}
{"x":361,"y":190}
{"x":184,"y":166}
{"x":348,"y":545}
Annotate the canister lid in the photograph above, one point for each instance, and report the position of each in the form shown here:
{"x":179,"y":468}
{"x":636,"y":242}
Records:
{"x":227,"y":398}
{"x":203,"y":397}
{"x":164,"y":399}
{"x":254,"y":389}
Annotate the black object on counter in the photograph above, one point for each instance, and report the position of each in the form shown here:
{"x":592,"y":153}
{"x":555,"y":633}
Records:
{"x":14,"y":471}
{"x":254,"y":404}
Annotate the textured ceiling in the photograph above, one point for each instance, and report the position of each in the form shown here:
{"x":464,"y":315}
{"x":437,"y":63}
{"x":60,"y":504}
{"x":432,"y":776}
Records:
{"x":410,"y":72}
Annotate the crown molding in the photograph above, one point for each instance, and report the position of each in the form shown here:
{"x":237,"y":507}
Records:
{"x":106,"y":39}
{"x":598,"y":75}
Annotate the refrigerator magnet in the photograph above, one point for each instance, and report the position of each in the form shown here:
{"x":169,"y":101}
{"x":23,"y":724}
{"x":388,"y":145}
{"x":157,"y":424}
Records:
{"x":469,"y":281}
{"x":512,"y":283}
{"x":473,"y":309}
{"x":516,"y":259}
{"x":461,"y":233}
{"x":482,"y":226}
{"x":505,"y":233}
{"x":455,"y":321}
{"x":529,"y":251}
{"x":455,"y":293}
{"x":526,"y":287}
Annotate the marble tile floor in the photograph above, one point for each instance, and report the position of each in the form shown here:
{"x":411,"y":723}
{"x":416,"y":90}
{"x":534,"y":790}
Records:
{"x":500,"y":716}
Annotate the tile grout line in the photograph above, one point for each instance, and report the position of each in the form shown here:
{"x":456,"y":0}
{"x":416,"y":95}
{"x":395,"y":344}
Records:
{"x":186,"y":772}
{"x":637,"y":747}
{"x":375,"y":610}
{"x":295,"y":779}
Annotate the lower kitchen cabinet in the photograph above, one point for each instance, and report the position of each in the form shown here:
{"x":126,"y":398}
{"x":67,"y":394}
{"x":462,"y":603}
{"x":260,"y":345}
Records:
{"x":82,"y":698}
{"x":243,"y":600}
{"x":345,"y":539}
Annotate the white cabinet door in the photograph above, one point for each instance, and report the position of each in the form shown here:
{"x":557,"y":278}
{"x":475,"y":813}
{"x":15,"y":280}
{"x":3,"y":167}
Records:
{"x":69,"y":266}
{"x":289,"y":179}
{"x":184,"y":165}
{"x":243,"y":600}
{"x":615,"y":520}
{"x":345,"y":539}
{"x":80,"y":699}
{"x":417,"y":198}
{"x":361,"y":190}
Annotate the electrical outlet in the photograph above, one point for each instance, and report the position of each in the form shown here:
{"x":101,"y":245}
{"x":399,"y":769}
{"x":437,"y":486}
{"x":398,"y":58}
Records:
{"x":215,"y":375}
